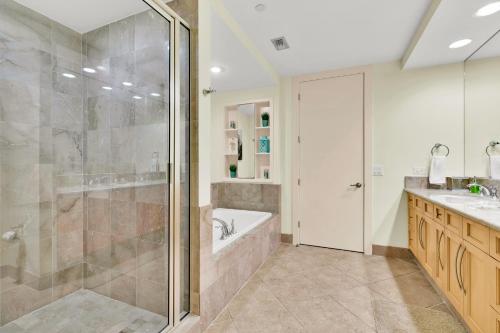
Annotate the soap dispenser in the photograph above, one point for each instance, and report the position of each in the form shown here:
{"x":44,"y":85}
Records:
{"x":474,"y":186}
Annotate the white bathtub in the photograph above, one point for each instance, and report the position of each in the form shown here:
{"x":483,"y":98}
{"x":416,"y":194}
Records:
{"x":244,"y":221}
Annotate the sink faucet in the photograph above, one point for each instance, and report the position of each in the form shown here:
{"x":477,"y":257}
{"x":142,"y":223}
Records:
{"x":226,"y":231}
{"x":490,"y":191}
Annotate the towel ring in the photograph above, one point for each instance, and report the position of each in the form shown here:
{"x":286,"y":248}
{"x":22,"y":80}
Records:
{"x":492,"y":145}
{"x":436,"y":148}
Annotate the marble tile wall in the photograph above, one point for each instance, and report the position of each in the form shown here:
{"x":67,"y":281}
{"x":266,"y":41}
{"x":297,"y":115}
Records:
{"x":257,"y":197}
{"x":224,"y":273}
{"x":126,"y":250}
{"x":59,"y":133}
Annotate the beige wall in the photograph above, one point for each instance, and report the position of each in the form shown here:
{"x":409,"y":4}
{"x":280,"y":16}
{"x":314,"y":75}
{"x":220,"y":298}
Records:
{"x":413,"y":110}
{"x":482,"y":112}
{"x":204,"y":102}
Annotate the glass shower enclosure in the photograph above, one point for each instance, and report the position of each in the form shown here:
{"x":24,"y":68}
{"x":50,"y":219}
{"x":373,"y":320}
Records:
{"x":94,"y":166}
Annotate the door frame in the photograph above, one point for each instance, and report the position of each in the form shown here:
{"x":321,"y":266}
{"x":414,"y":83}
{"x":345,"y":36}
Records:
{"x":366,"y":72}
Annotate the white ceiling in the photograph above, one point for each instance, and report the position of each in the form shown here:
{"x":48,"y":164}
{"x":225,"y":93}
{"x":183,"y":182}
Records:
{"x":329,"y":34}
{"x":241,"y":68}
{"x":489,"y":50}
{"x":452,"y":20}
{"x":85,"y":15}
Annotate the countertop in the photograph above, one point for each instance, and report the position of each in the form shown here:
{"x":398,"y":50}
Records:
{"x":488,"y":217}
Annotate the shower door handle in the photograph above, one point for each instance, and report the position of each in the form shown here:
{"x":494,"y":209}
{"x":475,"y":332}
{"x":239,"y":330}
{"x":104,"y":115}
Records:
{"x":357,"y":185}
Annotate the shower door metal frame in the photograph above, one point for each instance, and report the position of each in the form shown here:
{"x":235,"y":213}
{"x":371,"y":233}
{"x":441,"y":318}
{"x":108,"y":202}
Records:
{"x":173,"y":177}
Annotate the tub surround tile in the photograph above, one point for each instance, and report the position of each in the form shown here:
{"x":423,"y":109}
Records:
{"x":223,"y":273}
{"x":257,"y":197}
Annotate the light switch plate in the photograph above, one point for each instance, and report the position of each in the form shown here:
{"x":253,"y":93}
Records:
{"x":419,"y":171}
{"x":378,"y":170}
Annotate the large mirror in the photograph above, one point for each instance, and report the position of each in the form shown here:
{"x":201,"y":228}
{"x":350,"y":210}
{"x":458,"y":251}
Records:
{"x":482,"y":108}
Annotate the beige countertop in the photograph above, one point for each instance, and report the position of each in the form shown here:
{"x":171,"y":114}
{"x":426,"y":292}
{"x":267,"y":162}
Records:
{"x":464,"y":203}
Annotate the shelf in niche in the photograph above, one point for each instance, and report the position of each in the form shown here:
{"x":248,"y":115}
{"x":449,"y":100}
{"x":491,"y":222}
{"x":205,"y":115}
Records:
{"x":263,"y":128}
{"x":263,"y":154}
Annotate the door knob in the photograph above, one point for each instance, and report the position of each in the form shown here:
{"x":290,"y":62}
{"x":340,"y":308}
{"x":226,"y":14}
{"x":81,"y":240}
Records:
{"x":357,"y":185}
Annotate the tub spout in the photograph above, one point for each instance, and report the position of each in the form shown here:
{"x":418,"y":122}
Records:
{"x":226,"y":231}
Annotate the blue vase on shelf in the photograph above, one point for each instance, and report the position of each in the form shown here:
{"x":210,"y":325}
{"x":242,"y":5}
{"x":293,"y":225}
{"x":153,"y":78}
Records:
{"x":264,"y":145}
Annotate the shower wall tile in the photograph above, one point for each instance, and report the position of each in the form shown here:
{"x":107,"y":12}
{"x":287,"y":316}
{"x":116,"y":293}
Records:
{"x":66,"y":47}
{"x":122,"y":36}
{"x":67,"y":111}
{"x":19,"y":102}
{"x":24,"y":28}
{"x":67,"y":151}
{"x":67,"y":281}
{"x":149,"y":29}
{"x":97,"y":152}
{"x":96,"y":43}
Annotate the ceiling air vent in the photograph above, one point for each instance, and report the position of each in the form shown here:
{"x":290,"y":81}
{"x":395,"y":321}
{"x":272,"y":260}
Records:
{"x":280,"y":43}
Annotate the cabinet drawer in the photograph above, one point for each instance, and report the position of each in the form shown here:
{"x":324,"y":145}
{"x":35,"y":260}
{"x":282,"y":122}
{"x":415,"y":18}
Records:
{"x":439,"y":214}
{"x":428,"y":209}
{"x":419,"y":203}
{"x":477,"y":234}
{"x":453,"y":222}
{"x":495,"y":244}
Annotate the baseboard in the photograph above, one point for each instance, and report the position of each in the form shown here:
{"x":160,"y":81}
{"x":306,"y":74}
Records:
{"x":391,"y":251}
{"x":287,"y":238}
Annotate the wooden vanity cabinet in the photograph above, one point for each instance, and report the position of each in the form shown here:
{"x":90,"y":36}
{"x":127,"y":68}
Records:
{"x":474,"y":265}
{"x":453,"y":286}
{"x":412,"y":231}
{"x":441,"y":258}
{"x":463,"y":258}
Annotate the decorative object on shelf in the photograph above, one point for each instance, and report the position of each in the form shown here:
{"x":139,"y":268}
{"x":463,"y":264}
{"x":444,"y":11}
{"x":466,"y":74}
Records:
{"x":264,"y":145}
{"x":232,"y":146}
{"x":232,"y":124}
{"x":266,"y":173}
{"x":265,"y":119}
{"x":233,"y":170}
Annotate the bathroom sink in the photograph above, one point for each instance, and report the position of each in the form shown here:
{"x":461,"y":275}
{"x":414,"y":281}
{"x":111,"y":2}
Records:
{"x":487,"y":205}
{"x":458,"y":199}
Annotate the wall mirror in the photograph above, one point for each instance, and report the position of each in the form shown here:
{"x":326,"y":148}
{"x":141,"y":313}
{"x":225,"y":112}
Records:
{"x":482,"y":107}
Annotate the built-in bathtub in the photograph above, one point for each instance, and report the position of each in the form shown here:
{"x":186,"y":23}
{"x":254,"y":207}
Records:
{"x":244,"y":221}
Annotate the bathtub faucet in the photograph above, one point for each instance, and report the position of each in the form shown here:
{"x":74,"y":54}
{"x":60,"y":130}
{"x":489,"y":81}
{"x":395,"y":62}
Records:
{"x":226,"y":231}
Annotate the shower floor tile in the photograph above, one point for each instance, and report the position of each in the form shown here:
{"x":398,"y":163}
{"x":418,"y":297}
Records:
{"x":85,"y":311}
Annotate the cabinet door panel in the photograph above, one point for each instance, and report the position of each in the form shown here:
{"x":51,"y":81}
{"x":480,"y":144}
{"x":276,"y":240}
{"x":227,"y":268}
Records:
{"x":441,"y":257}
{"x":475,"y":279}
{"x":412,"y":231}
{"x":454,"y":290}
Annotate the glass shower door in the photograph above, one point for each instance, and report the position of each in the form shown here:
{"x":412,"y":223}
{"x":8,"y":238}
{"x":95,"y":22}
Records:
{"x":85,"y":200}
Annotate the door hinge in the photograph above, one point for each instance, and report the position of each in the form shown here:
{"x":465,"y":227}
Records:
{"x":169,"y":173}
{"x":299,"y":97}
{"x":298,"y":224}
{"x":298,"y":139}
{"x":298,"y":181}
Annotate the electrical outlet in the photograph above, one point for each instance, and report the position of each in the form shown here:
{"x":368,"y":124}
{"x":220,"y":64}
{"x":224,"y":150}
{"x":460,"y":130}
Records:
{"x":419,"y":171}
{"x":378,"y":170}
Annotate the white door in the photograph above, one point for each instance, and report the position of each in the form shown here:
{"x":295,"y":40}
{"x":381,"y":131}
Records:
{"x":331,"y":187}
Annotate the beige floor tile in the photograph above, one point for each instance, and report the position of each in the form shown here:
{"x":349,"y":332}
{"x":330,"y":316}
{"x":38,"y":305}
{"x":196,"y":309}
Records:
{"x":411,"y":289}
{"x":393,"y":317}
{"x":360,"y":301}
{"x":324,"y":314}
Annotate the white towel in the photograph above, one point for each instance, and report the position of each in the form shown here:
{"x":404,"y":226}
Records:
{"x":495,"y":166}
{"x":437,"y":174}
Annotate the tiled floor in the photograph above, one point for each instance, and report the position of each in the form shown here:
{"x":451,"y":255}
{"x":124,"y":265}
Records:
{"x":309,"y":289}
{"x":87,"y":312}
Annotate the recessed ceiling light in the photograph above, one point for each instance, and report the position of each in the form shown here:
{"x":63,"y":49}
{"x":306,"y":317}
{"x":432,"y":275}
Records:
{"x":68,"y":75}
{"x":89,"y":70}
{"x":489,"y":9}
{"x":460,"y":43}
{"x":101,"y":68}
{"x":216,"y":69}
{"x":137,"y":97}
{"x":155,"y":94}
{"x":260,"y":8}
{"x":127,"y":84}
{"x":107,"y":88}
